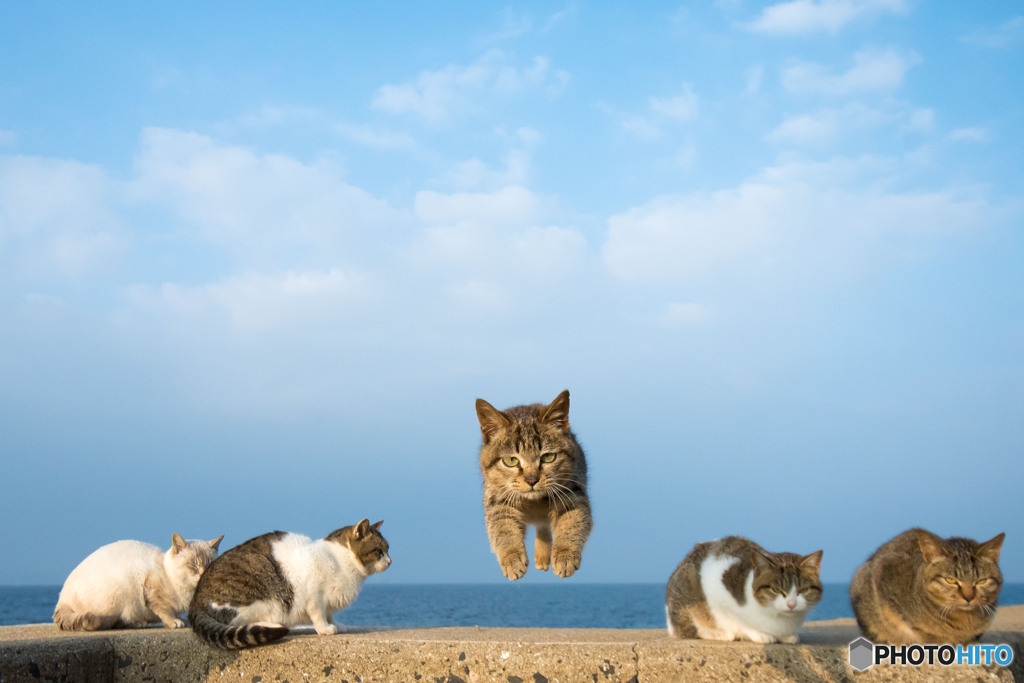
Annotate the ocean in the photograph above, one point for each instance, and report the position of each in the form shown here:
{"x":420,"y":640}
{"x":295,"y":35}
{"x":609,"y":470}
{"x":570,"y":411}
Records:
{"x":619,"y":605}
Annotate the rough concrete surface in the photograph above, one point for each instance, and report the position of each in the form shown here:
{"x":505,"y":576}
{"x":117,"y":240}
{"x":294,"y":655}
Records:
{"x":451,"y":655}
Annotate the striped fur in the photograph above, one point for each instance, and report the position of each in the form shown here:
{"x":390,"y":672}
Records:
{"x":224,"y":637}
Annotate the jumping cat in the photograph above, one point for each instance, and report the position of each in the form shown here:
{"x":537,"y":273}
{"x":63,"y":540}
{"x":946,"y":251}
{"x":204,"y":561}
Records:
{"x":733,"y":589}
{"x":129,"y":584}
{"x":255,"y":591}
{"x":535,"y":474}
{"x":919,"y":588}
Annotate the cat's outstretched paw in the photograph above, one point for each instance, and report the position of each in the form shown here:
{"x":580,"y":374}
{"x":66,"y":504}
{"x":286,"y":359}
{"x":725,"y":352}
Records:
{"x":566,"y":563}
{"x":514,"y":564}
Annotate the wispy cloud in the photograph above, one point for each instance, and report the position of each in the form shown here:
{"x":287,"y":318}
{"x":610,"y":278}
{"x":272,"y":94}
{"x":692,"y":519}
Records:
{"x":969,"y":135}
{"x":814,"y":16}
{"x":872,"y":70}
{"x":437,"y":96}
{"x":1005,"y":35}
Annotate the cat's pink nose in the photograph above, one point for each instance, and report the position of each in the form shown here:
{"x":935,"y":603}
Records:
{"x":531,"y":479}
{"x":791,"y":604}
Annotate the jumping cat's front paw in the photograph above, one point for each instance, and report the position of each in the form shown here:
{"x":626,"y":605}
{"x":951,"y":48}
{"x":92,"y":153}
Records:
{"x":566,"y":562}
{"x":514,"y":563}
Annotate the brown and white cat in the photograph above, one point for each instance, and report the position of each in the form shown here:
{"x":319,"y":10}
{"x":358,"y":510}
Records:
{"x":919,"y":588}
{"x":252,"y":593}
{"x":733,"y":589}
{"x":535,"y":474}
{"x":129,"y":584}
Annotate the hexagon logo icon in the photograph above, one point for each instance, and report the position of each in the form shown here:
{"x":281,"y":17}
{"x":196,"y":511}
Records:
{"x":862,"y":654}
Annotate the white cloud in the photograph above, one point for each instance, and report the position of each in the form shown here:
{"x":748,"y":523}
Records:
{"x":829,"y":125}
{"x":682,"y":107}
{"x":969,"y":135}
{"x":1003,"y":36}
{"x":259,"y":206}
{"x":872,"y":70}
{"x":438,"y":96}
{"x":254,"y":301}
{"x":813,"y":16}
{"x":56,"y":215}
{"x":790,"y":220}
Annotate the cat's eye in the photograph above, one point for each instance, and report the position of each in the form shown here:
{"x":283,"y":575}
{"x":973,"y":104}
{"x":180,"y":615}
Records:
{"x":982,"y":582}
{"x":547,"y":457}
{"x":510,"y":461}
{"x":950,"y":580}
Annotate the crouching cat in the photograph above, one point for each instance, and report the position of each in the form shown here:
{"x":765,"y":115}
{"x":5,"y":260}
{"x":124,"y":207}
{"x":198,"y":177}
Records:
{"x":733,"y":589}
{"x":919,"y":588}
{"x":255,"y":591}
{"x":129,"y":584}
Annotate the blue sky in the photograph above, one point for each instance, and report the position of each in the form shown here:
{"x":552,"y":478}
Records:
{"x":257,"y":262}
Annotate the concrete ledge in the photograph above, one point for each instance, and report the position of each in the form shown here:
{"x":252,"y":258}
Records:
{"x":451,"y":655}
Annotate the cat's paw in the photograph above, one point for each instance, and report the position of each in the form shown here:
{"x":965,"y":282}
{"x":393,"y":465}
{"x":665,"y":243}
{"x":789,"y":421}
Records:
{"x":175,"y":623}
{"x":327,"y":629}
{"x":566,"y":562}
{"x":759,"y":637}
{"x":542,"y":563}
{"x":790,"y":640}
{"x":514,"y":564}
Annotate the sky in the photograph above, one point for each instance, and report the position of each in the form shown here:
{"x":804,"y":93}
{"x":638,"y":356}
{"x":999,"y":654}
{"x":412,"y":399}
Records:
{"x":257,"y":261}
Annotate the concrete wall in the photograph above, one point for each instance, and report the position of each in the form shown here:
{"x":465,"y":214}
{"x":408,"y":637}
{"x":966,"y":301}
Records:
{"x":450,"y":655}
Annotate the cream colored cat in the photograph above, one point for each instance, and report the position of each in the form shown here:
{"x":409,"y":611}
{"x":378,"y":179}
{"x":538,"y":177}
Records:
{"x":129,"y":584}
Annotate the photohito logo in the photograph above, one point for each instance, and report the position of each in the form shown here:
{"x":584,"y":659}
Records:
{"x":864,"y":654}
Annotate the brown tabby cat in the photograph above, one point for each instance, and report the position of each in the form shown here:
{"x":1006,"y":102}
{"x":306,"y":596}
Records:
{"x":918,"y":588}
{"x":534,"y":473}
{"x":733,"y":589}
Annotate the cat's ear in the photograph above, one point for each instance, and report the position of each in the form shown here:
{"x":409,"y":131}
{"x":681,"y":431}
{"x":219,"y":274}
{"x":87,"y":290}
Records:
{"x":376,"y":527}
{"x":177,"y":543}
{"x":215,"y":543}
{"x":812,"y":563}
{"x":361,"y":529}
{"x":557,"y":413}
{"x":932,"y":547}
{"x":491,"y":419}
{"x":761,"y":561}
{"x":990,"y":549}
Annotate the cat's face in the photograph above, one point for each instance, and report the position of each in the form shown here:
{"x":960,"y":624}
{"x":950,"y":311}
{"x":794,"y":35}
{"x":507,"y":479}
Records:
{"x":961,"y":574}
{"x":528,"y":452}
{"x":787,"y":583}
{"x":187,"y":560}
{"x":367,"y":545}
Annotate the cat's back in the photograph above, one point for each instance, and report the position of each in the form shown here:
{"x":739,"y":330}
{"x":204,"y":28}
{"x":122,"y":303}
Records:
{"x":118,"y":558}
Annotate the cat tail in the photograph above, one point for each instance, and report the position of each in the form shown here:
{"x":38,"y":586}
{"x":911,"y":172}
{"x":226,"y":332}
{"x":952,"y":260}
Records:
{"x":216,"y":634}
{"x":68,"y":619}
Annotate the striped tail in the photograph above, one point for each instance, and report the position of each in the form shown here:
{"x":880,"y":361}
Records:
{"x":216,"y":634}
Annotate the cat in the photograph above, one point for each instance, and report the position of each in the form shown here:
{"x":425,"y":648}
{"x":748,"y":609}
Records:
{"x":256,"y":590}
{"x":129,"y":584}
{"x":535,"y":474}
{"x":919,"y":588}
{"x":733,"y":589}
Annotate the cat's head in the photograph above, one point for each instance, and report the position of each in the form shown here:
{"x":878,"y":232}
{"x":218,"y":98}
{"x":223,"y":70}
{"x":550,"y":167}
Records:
{"x":187,"y":560}
{"x":959,"y":573}
{"x":367,"y":544}
{"x":787,"y":582}
{"x":529,"y":452}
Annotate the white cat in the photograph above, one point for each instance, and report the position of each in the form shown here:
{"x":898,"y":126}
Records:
{"x":129,"y":584}
{"x":256,"y":590}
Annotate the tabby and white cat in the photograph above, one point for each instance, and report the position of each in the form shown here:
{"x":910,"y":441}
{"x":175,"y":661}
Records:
{"x":256,"y":590}
{"x":534,"y":474}
{"x":129,"y":584}
{"x":919,"y":588}
{"x":733,"y":589}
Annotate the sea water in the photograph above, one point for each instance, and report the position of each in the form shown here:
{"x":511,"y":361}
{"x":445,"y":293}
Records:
{"x":578,"y":605}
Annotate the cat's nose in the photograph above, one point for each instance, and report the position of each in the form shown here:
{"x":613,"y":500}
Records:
{"x":791,"y":603}
{"x":531,"y":479}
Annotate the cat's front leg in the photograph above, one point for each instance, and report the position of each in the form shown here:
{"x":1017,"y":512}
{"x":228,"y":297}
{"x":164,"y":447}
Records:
{"x":321,"y":620}
{"x":507,"y":533}
{"x":542,"y":548}
{"x":571,"y":529}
